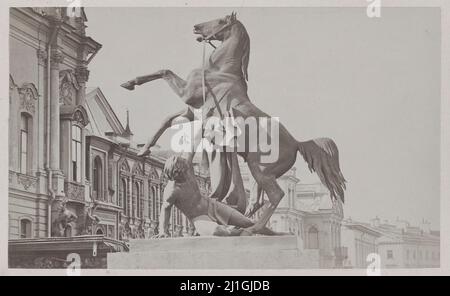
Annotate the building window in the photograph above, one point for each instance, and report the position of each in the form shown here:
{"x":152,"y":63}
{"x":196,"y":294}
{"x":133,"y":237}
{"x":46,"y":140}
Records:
{"x":123,"y":198}
{"x":160,"y":199}
{"x":97,"y":178}
{"x":121,"y":194}
{"x":76,"y":153}
{"x":135,"y":199}
{"x":24,"y":142}
{"x":313,"y":238}
{"x":407,"y":254}
{"x":141,"y":204}
{"x":25,"y":228}
{"x":150,"y":203}
{"x":390,"y":254}
{"x":154,"y":208}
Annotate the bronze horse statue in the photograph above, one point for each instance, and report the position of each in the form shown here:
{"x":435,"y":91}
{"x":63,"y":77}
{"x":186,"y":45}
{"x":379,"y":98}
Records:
{"x":222,"y":85}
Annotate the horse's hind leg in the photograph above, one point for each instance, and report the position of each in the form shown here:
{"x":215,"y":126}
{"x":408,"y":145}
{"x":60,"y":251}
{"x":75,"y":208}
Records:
{"x":234,"y":195}
{"x":271,"y":188}
{"x":255,"y":200}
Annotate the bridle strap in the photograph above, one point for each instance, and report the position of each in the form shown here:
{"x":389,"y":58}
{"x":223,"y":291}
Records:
{"x":208,"y":38}
{"x":204,"y":86}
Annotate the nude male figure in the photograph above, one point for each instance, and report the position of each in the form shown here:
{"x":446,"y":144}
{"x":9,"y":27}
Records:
{"x":209,"y":216}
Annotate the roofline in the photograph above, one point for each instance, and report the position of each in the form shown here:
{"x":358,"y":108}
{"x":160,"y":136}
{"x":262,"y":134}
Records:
{"x":98,"y":90}
{"x":131,"y":152}
{"x":364,"y":227}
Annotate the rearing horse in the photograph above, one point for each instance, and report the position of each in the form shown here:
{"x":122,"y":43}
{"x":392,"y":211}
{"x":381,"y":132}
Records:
{"x":226,"y":77}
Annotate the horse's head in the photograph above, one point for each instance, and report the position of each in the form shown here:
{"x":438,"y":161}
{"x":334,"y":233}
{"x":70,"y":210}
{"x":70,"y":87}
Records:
{"x":222,"y":29}
{"x":217,"y":29}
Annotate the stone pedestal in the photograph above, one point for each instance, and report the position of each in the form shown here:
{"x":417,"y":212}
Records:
{"x":257,"y":252}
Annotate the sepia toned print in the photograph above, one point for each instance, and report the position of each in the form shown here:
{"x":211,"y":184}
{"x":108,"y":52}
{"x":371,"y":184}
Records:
{"x":116,"y":162}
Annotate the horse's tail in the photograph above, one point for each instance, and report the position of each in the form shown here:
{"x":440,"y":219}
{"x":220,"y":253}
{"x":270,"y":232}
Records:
{"x":322,"y":157}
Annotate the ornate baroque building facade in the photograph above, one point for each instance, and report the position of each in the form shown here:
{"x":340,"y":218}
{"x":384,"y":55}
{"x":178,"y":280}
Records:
{"x":73,"y":168}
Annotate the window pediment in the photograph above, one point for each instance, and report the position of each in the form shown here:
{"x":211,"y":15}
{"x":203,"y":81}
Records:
{"x":125,"y":167}
{"x":28,"y":96}
{"x":68,"y":87}
{"x":137,"y":170}
{"x":77,"y":115}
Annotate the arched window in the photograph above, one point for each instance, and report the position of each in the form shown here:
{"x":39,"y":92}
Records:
{"x":24,"y":143}
{"x":25,"y":228}
{"x":123,"y":200}
{"x":141,"y":203}
{"x":135,"y":199}
{"x":99,"y":231}
{"x":154,"y":203}
{"x":76,"y":153}
{"x":97,"y":178}
{"x":151,"y":203}
{"x":313,"y":238}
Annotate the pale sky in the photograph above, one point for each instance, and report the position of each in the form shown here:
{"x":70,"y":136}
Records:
{"x":372,"y":85}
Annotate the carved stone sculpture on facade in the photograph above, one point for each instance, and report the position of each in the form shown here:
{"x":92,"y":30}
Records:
{"x":63,"y":219}
{"x":90,"y":220}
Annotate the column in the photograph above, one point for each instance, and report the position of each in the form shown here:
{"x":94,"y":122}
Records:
{"x":14,"y":121}
{"x":56,"y":59}
{"x":40,"y":122}
{"x":55,"y":151}
{"x":82,"y":75}
{"x":146,"y":197}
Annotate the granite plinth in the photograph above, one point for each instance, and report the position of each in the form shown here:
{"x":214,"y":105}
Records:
{"x":255,"y":252}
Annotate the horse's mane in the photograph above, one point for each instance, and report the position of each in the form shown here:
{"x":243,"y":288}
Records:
{"x":239,"y":30}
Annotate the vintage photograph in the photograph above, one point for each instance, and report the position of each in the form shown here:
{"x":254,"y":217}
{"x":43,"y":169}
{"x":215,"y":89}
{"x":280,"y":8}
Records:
{"x":179,"y":138}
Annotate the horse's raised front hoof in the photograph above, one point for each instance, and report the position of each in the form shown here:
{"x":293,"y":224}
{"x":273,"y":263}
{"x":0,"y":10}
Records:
{"x":128,"y":85}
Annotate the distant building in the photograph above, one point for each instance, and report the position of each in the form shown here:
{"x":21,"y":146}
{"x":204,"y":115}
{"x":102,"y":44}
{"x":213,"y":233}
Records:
{"x":307,"y":211}
{"x":399,"y":244}
{"x":358,"y":240}
{"x":404,"y":246}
